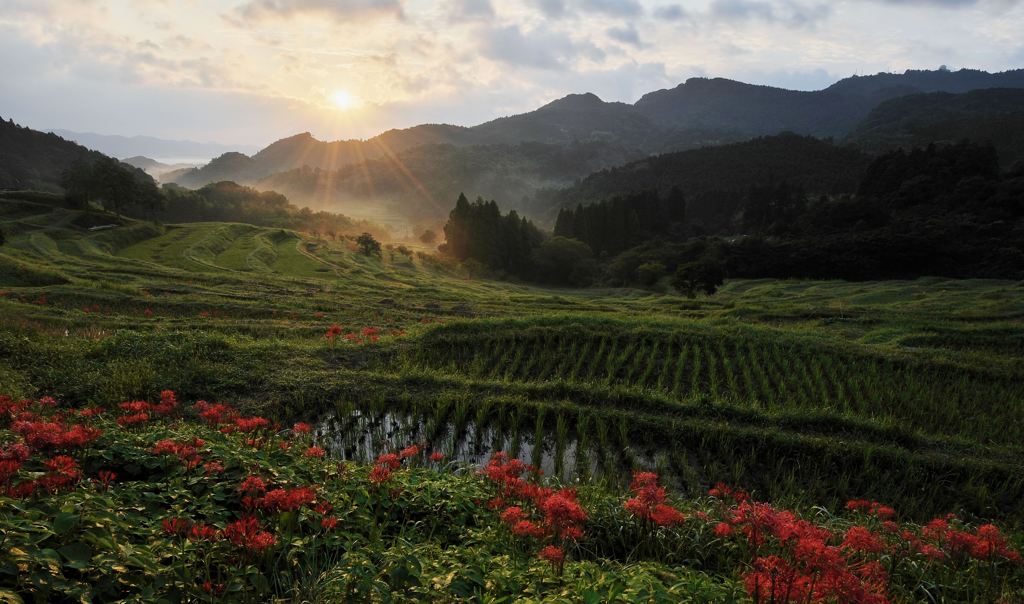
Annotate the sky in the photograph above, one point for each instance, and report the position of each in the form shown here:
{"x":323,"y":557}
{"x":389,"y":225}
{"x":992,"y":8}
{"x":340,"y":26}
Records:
{"x":253,"y":71}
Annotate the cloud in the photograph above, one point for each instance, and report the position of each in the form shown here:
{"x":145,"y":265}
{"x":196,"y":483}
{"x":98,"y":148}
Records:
{"x":551,"y":8}
{"x":472,"y":10}
{"x":786,"y":12}
{"x":615,"y":8}
{"x":626,"y":34}
{"x":338,"y":9}
{"x":539,"y":48}
{"x":670,"y":12}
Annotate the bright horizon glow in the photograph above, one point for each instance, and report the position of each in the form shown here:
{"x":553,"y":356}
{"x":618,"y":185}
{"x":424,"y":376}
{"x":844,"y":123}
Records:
{"x":343,"y":100}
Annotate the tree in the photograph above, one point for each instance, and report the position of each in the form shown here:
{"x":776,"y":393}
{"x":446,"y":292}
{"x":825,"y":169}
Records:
{"x":368,"y":246}
{"x":428,"y":237}
{"x":704,"y":274}
{"x":564,"y":261}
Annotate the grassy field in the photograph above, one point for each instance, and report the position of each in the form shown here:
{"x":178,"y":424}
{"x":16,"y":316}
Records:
{"x":811,"y":393}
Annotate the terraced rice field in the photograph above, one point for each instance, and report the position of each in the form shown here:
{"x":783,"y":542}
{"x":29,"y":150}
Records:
{"x":906,"y":392}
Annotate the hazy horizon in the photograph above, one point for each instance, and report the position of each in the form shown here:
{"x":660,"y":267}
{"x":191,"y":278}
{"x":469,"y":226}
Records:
{"x":248,"y":72}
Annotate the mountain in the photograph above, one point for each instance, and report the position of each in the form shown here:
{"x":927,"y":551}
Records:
{"x":753,"y":110}
{"x":158,"y":170}
{"x":714,"y":179}
{"x":148,"y":146}
{"x":423,"y":181}
{"x":698,"y":113}
{"x":993,"y":116}
{"x":30,"y":159}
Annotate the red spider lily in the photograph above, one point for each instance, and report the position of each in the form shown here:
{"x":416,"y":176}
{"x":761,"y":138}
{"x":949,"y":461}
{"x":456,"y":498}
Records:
{"x":380,"y":474}
{"x":106,"y":478}
{"x":775,"y":580}
{"x":328,"y":523}
{"x":135,"y":406}
{"x":880,"y":511}
{"x":148,"y":312}
{"x":176,"y":526}
{"x":723,"y":529}
{"x":187,"y":453}
{"x":333,"y":332}
{"x":436,"y":456}
{"x":985,"y":543}
{"x":861,"y":539}
{"x":370,"y":332}
{"x":284,"y":445}
{"x":315,"y":452}
{"x":131,"y":420}
{"x":47,"y":401}
{"x":203,"y":532}
{"x":247,"y":533}
{"x":563,"y":514}
{"x":722,"y":491}
{"x":528,"y":528}
{"x":90,"y":412}
{"x":252,"y":485}
{"x":302,"y":428}
{"x":55,"y":435}
{"x":213,"y":588}
{"x":251,"y":424}
{"x":553,"y":555}
{"x":319,"y":314}
{"x":215,"y":414}
{"x":8,"y":469}
{"x":168,"y":403}
{"x":410,"y":451}
{"x":390,"y":461}
{"x":212,"y":468}
{"x":512,"y":515}
{"x":666,"y":515}
{"x":285,"y":500}
{"x":205,"y":314}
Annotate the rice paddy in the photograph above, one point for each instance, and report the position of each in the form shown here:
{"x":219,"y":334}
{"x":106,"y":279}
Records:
{"x":810,"y":392}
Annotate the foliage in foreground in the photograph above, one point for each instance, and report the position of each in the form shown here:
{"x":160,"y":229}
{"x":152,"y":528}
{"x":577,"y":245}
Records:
{"x":166,"y":502}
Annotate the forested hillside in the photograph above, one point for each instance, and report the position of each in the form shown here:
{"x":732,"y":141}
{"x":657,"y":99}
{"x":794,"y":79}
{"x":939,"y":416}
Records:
{"x":994,"y":116}
{"x":30,"y":159}
{"x":715,"y":179}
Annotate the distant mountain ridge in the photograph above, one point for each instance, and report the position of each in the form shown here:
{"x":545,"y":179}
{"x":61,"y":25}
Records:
{"x":149,"y":146}
{"x":699,"y":112}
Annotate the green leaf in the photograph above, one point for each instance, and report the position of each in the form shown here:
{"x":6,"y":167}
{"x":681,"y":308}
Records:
{"x":9,"y":597}
{"x":64,"y":522}
{"x":78,"y":555}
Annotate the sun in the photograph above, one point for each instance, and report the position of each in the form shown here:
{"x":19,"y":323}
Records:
{"x":342,"y":99}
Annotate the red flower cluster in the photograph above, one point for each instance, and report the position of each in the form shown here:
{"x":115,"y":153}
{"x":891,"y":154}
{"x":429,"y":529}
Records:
{"x":255,"y":495}
{"x":878,"y":510}
{"x":215,"y":413}
{"x":139,"y":412}
{"x":248,"y":534}
{"x":793,"y":560}
{"x":187,"y":453}
{"x":316,"y":452}
{"x":984,"y":543}
{"x":333,"y":332}
{"x":561,"y":515}
{"x":649,"y":501}
{"x":302,"y":428}
{"x":388,"y":463}
{"x":365,"y":336}
{"x":43,"y":435}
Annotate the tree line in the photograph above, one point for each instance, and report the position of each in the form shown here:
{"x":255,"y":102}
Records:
{"x":126,"y":190}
